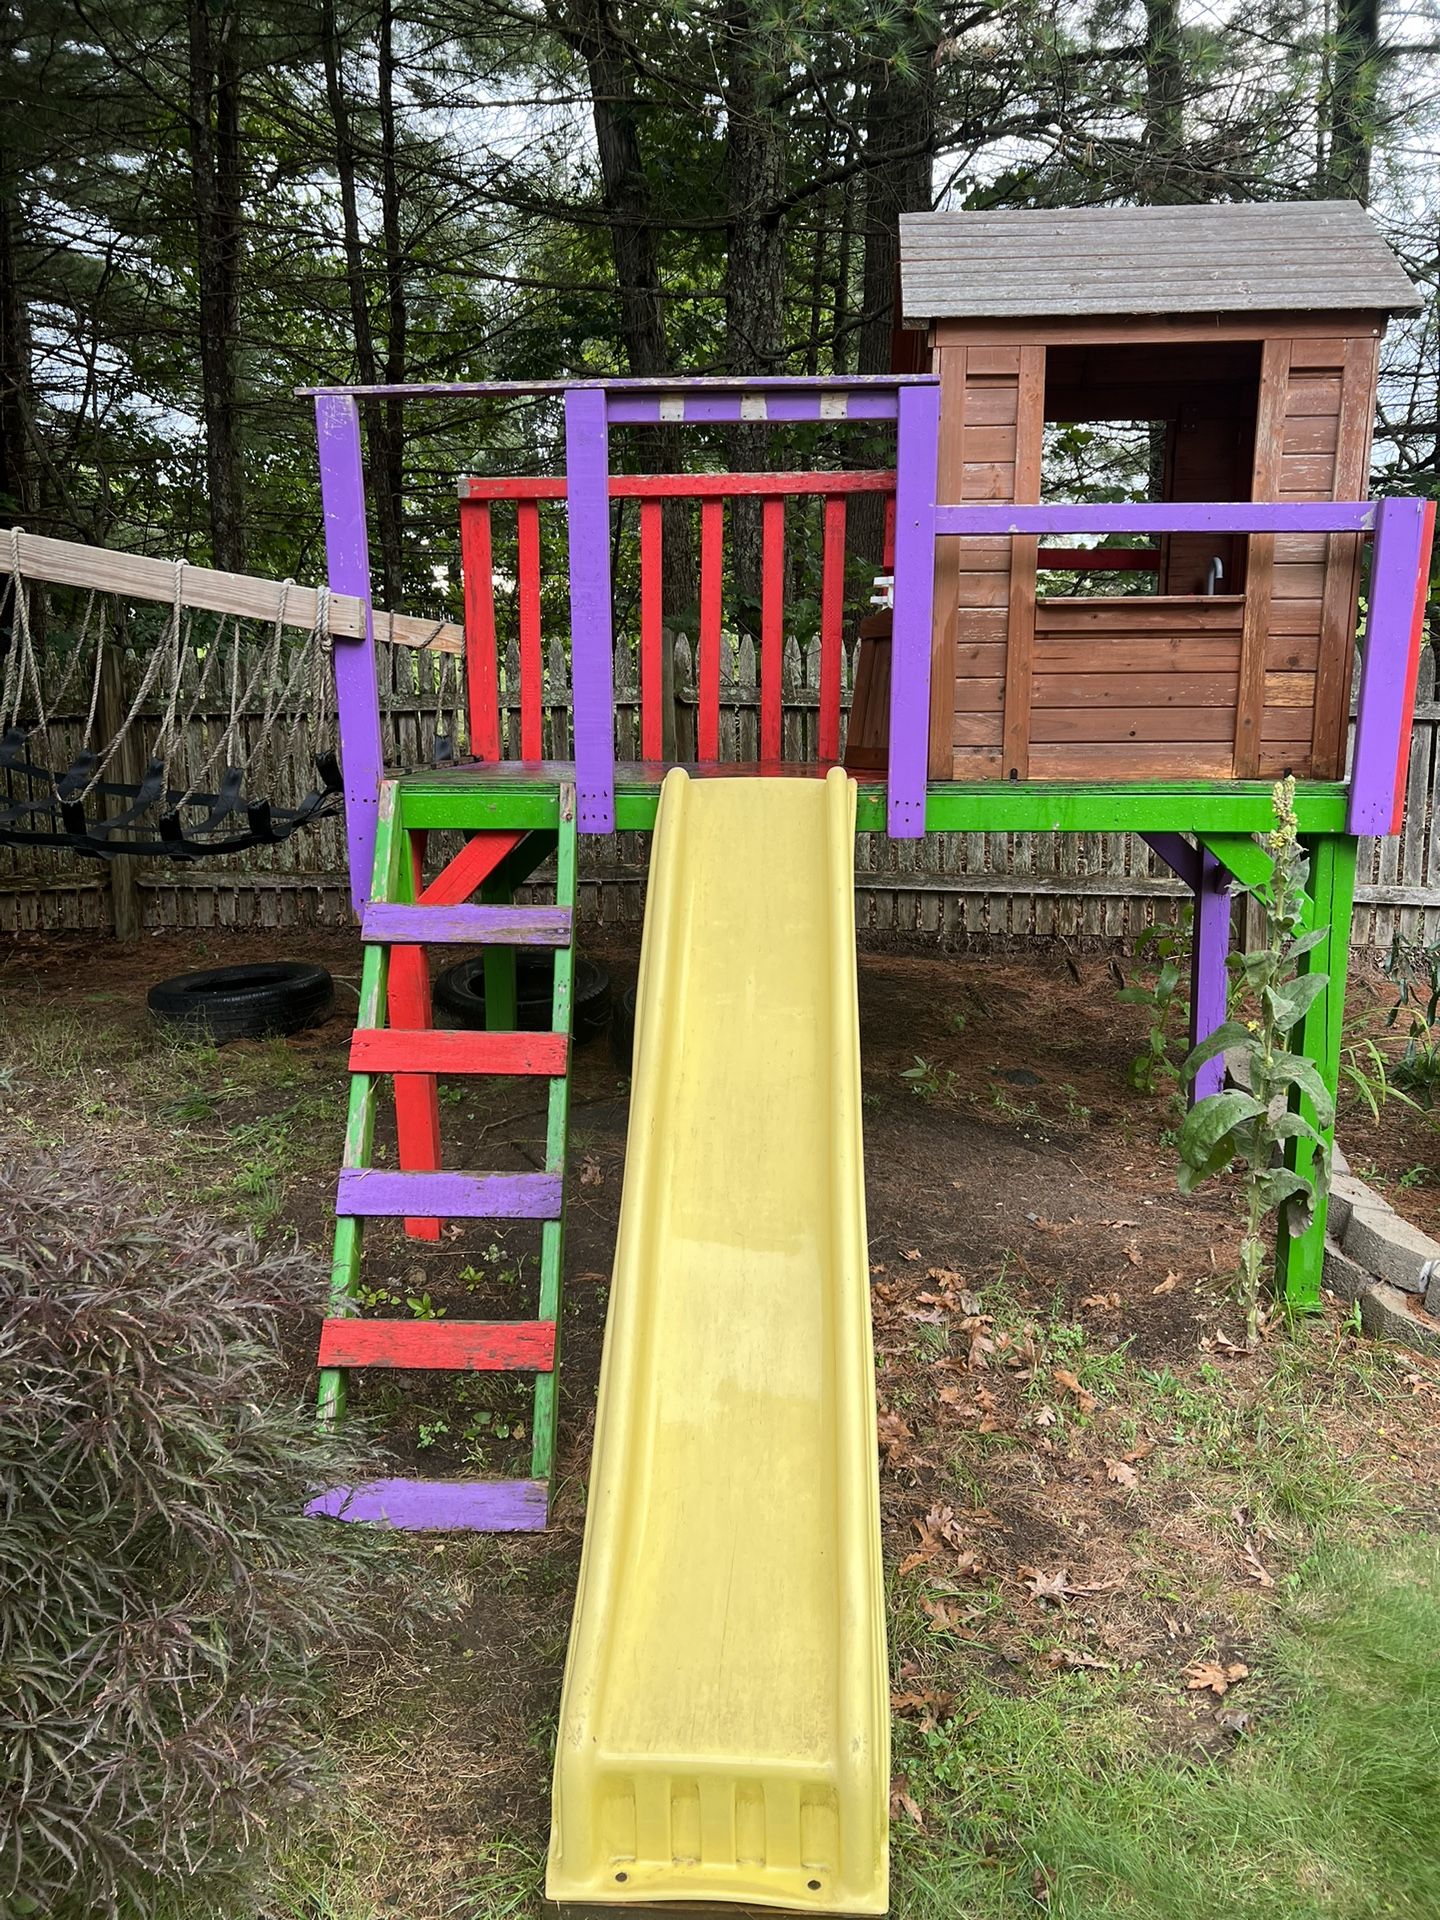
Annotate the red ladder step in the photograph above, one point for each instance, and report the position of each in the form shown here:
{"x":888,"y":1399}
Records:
{"x":371,"y":1192}
{"x":435,"y":1050}
{"x":469,"y":1346}
{"x":466,"y":926}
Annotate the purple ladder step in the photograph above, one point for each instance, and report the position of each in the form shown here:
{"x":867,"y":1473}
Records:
{"x":439,"y":1506}
{"x":373,"y":1192}
{"x":466,"y":926}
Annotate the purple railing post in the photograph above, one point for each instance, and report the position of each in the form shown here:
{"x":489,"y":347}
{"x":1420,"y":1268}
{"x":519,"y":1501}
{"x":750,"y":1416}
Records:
{"x":1384,"y":683}
{"x":1209,"y":948}
{"x":357,"y":696}
{"x":917,"y":456}
{"x":592,"y":660}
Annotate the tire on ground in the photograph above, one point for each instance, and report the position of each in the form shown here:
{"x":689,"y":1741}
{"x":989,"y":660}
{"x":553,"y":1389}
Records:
{"x":460,"y":992}
{"x":244,"y":1002}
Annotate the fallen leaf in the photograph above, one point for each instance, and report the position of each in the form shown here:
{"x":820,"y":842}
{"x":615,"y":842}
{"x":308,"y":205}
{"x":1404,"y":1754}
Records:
{"x":895,"y":1439}
{"x":1045,"y":1416}
{"x":1117,"y":1225}
{"x":1253,"y":1565}
{"x":1209,"y":1676}
{"x":1105,"y":1302}
{"x":1122,"y":1474}
{"x":1071,"y":1660}
{"x":1068,"y":1383}
{"x":1132,"y":1254}
{"x":1047,"y":1586}
{"x":1168,"y":1284}
{"x":590,"y":1174}
{"x":1418,"y":1383}
{"x":910,"y":1253}
{"x":1139,"y":1451}
{"x":927,"y":1706}
{"x":1234,"y":1720}
{"x":902,"y":1802}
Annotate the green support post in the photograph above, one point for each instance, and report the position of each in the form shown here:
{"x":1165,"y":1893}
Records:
{"x":552,"y":1233}
{"x":1300,"y":1261}
{"x":360,"y":1119}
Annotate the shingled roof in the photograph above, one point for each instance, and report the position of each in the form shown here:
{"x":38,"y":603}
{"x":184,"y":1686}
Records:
{"x":1292,"y":256}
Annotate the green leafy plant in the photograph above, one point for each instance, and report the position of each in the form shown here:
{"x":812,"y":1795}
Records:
{"x":1250,"y":1129}
{"x":1167,"y":1001}
{"x":171,"y":1624}
{"x":928,"y":1082}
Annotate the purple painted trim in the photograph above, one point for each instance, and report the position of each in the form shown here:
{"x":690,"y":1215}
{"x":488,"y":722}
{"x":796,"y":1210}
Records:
{"x":1385,"y":655}
{"x":464,"y":926}
{"x":651,"y":383}
{"x":592,"y":651}
{"x":917,"y":455}
{"x":357,"y":696}
{"x":1178,"y":854}
{"x":375,"y":1193}
{"x":643,"y":410}
{"x":1298,"y":516}
{"x":440,"y":1506}
{"x":1209,"y":981}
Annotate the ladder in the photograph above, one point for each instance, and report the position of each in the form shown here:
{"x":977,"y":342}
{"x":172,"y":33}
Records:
{"x":404,"y":917}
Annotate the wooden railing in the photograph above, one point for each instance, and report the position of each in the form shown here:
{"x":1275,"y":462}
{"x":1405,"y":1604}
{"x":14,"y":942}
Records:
{"x":711,"y":491}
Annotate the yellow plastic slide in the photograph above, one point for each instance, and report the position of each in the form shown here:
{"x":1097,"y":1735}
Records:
{"x":724,"y":1728}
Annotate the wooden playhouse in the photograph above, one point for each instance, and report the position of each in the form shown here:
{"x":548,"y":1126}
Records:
{"x":1245,"y":338}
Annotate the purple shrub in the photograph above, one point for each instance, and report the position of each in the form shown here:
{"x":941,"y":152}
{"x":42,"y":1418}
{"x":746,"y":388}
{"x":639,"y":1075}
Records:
{"x":170,"y":1623}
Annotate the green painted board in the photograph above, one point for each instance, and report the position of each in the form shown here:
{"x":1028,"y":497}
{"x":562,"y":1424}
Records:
{"x":1224,"y":806}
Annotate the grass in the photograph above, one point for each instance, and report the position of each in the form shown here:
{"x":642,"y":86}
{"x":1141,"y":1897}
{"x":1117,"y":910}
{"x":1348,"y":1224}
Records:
{"x":1056,"y":1801}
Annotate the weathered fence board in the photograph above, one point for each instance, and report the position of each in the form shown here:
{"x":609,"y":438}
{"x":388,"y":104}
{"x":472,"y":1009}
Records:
{"x":1085,"y":887}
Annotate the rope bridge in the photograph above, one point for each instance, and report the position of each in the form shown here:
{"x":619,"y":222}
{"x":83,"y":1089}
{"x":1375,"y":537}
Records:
{"x":184,"y":804}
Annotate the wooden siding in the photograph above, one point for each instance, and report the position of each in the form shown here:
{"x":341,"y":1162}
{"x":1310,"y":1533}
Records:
{"x":1211,"y":259}
{"x":1319,"y":450}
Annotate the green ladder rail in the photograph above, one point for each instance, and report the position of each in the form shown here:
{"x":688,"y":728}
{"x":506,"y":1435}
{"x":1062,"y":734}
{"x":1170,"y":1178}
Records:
{"x":404,"y":918}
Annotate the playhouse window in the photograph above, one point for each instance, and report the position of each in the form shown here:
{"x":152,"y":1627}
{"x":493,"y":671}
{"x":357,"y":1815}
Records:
{"x":1150,"y":422}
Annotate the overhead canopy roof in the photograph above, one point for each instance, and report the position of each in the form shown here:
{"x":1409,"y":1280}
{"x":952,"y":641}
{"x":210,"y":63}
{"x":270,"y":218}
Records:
{"x":1301,"y":256}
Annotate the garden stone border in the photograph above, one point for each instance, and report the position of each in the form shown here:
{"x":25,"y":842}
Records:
{"x":1375,"y":1257}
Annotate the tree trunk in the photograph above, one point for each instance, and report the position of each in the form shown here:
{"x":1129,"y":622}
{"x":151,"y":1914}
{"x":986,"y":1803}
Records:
{"x":900,"y":150}
{"x":17,"y":465}
{"x":367,"y":364}
{"x":635,"y":244}
{"x":754,"y":264}
{"x":392,"y":457}
{"x":900,"y":154}
{"x":217,"y":190}
{"x":1354,"y":90}
{"x":1161,"y":182}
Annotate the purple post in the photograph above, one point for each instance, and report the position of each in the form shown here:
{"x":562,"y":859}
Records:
{"x":1209,"y":946}
{"x":1384,"y":681}
{"x":1209,"y":882}
{"x":357,"y":696}
{"x":592,"y":660}
{"x":1178,"y":854}
{"x":917,"y":456}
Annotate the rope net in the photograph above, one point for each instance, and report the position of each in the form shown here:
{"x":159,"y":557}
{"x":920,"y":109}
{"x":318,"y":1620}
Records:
{"x":132,"y":728}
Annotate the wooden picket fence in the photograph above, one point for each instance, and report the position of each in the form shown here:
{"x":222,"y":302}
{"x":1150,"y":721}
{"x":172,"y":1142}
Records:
{"x":1090,"y":888}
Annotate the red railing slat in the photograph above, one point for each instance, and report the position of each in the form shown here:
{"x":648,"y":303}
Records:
{"x":772,"y":624}
{"x":652,"y":581}
{"x":832,"y":612}
{"x":712,"y":535}
{"x":887,"y":561}
{"x":481,"y":681}
{"x":532,"y":671}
